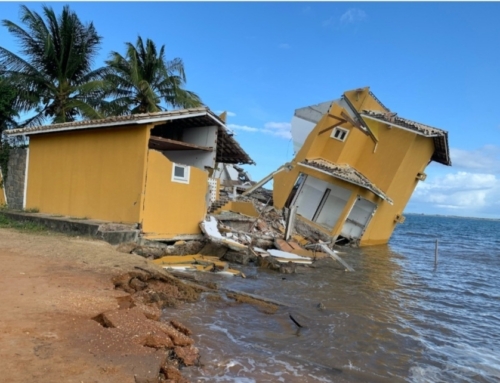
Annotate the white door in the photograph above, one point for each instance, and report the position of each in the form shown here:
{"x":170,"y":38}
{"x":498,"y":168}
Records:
{"x":358,"y":219}
{"x":321,"y":202}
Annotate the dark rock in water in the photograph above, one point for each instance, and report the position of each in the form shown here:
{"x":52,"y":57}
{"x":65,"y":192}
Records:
{"x":240,"y":257}
{"x":322,"y":263}
{"x":310,"y":232}
{"x":288,"y":268}
{"x":214,"y":249}
{"x":272,"y":263}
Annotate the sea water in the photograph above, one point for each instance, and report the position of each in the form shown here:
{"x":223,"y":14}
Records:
{"x":396,"y":318}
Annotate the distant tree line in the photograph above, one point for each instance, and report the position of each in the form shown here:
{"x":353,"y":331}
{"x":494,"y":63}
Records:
{"x":52,"y":79}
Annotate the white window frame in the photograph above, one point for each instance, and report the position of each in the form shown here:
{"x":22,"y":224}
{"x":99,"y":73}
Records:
{"x":182,"y":180}
{"x":342,"y":130}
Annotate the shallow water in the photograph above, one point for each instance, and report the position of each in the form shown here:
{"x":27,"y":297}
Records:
{"x":395,"y":319}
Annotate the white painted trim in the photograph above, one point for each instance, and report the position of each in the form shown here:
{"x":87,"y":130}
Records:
{"x":3,"y":188}
{"x":338,"y":129}
{"x":399,"y":126}
{"x":26,"y":177}
{"x":182,"y":180}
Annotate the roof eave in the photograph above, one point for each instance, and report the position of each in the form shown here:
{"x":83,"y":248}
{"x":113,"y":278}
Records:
{"x":378,"y":193}
{"x":103,"y":124}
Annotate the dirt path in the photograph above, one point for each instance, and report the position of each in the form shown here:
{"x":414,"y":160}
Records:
{"x":51,"y":286}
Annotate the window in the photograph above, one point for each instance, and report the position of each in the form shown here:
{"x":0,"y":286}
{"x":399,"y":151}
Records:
{"x":339,"y":134}
{"x":180,"y":173}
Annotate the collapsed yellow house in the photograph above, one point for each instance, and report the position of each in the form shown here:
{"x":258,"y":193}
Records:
{"x":148,"y":169}
{"x":356,"y":167}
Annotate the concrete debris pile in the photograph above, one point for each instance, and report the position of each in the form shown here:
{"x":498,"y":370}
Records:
{"x":260,"y":240}
{"x":238,"y":238}
{"x":196,"y":262}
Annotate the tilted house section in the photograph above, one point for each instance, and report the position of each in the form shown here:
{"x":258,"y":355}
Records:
{"x":356,"y":167}
{"x":151,"y":169}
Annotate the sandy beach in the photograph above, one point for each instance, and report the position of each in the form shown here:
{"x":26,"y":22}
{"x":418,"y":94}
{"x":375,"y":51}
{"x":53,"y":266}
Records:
{"x":53,"y":290}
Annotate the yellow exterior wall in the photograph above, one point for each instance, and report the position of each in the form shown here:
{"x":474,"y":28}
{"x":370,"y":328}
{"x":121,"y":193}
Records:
{"x":2,"y":191}
{"x":93,"y":173}
{"x":401,"y":188}
{"x":283,"y":183}
{"x":381,"y":167}
{"x":242,"y":207}
{"x":172,"y":208}
{"x":356,"y":145}
{"x":391,"y":165}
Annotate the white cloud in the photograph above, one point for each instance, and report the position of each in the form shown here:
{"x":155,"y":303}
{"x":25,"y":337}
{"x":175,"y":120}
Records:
{"x":485,"y":159}
{"x":278,"y":129}
{"x":353,"y":15}
{"x":245,"y":128}
{"x":284,"y":46}
{"x":462,"y":191}
{"x":470,"y":188}
{"x":229,"y":114}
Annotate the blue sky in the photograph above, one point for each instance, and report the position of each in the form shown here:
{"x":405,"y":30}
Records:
{"x":436,"y":63}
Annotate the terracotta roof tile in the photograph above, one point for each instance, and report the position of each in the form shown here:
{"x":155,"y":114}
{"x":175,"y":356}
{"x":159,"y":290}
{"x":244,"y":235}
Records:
{"x":346,"y":173}
{"x":109,"y":121}
{"x":228,"y":149}
{"x":441,"y":152}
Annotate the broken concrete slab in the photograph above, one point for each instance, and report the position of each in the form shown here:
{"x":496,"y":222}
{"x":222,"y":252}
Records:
{"x":197,"y":262}
{"x":284,"y":256}
{"x":210,"y":229}
{"x":240,"y":257}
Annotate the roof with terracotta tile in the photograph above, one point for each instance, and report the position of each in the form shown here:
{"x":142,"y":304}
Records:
{"x":441,"y":153}
{"x":228,"y":149}
{"x":345,"y":173}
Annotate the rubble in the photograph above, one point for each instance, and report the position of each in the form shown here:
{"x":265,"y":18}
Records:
{"x":197,"y":262}
{"x":261,"y":239}
{"x":238,"y":238}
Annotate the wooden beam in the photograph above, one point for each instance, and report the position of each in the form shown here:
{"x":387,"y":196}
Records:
{"x":168,"y":144}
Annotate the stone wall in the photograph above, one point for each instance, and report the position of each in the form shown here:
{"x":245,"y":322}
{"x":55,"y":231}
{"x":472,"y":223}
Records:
{"x":14,"y":184}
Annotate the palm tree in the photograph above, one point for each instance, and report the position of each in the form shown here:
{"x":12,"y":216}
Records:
{"x":54,"y":78}
{"x":7,"y":110}
{"x":143,"y":78}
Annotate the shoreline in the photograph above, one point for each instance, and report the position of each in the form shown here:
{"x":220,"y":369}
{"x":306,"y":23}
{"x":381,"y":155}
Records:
{"x":77,"y":310}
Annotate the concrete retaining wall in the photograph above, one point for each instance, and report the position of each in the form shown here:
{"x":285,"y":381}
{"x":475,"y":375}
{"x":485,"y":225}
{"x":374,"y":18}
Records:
{"x":16,"y":175}
{"x":109,"y":232}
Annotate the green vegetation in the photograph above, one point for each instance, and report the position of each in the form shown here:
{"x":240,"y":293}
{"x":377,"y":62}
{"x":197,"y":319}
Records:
{"x":142,"y":78}
{"x":54,"y":80}
{"x":8,"y":223}
{"x":4,"y":160}
{"x":7,"y":110}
